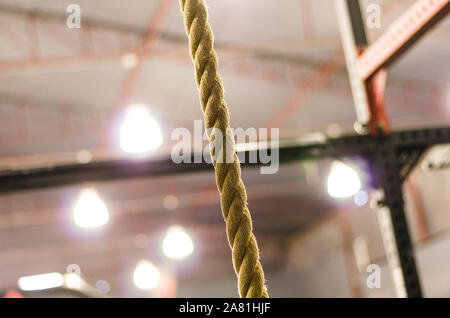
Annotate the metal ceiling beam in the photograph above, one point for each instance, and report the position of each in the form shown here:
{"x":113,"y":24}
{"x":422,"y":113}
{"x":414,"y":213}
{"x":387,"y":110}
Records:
{"x":53,"y":176}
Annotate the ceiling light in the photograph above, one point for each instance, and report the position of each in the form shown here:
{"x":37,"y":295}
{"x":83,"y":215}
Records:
{"x":177,"y":244}
{"x":89,"y":210}
{"x":343,"y":181}
{"x":146,"y":275}
{"x":41,"y":281}
{"x":139,"y":132}
{"x":129,"y":60}
{"x":72,"y":281}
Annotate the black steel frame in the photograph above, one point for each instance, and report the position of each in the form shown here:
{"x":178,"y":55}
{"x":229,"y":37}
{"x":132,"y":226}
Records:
{"x":394,"y":154}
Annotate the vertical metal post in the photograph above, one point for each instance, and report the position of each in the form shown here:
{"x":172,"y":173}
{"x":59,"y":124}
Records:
{"x":393,"y":222}
{"x":369,"y":101}
{"x":357,"y":23}
{"x":353,"y":39}
{"x":368,"y":94}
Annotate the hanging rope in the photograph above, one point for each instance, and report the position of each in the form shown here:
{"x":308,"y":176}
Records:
{"x":228,"y":175}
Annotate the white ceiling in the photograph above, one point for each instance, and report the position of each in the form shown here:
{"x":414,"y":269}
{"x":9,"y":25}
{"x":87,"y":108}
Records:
{"x":166,"y":82}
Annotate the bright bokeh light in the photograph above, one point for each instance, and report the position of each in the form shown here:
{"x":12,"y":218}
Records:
{"x":139,"y":133}
{"x":177,"y":244}
{"x":90,"y":210}
{"x":129,"y":60}
{"x":146,"y":275}
{"x":72,"y":280}
{"x":41,"y":281}
{"x":103,"y":286}
{"x":361,"y":198}
{"x":343,"y":181}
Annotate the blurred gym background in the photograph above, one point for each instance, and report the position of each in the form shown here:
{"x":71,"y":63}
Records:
{"x":67,"y":95}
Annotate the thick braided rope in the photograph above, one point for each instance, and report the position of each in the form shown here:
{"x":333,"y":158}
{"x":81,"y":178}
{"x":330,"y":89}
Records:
{"x":228,"y":175}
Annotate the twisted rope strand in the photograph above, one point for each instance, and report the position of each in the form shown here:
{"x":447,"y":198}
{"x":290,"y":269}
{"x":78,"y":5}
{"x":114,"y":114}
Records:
{"x":228,"y":175}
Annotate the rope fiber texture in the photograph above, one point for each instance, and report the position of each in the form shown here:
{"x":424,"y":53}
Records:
{"x":228,"y":174}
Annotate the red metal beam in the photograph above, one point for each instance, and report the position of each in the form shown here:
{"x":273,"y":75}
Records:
{"x":324,"y":72}
{"x":367,"y":66}
{"x":401,"y":35}
{"x":375,"y":88}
